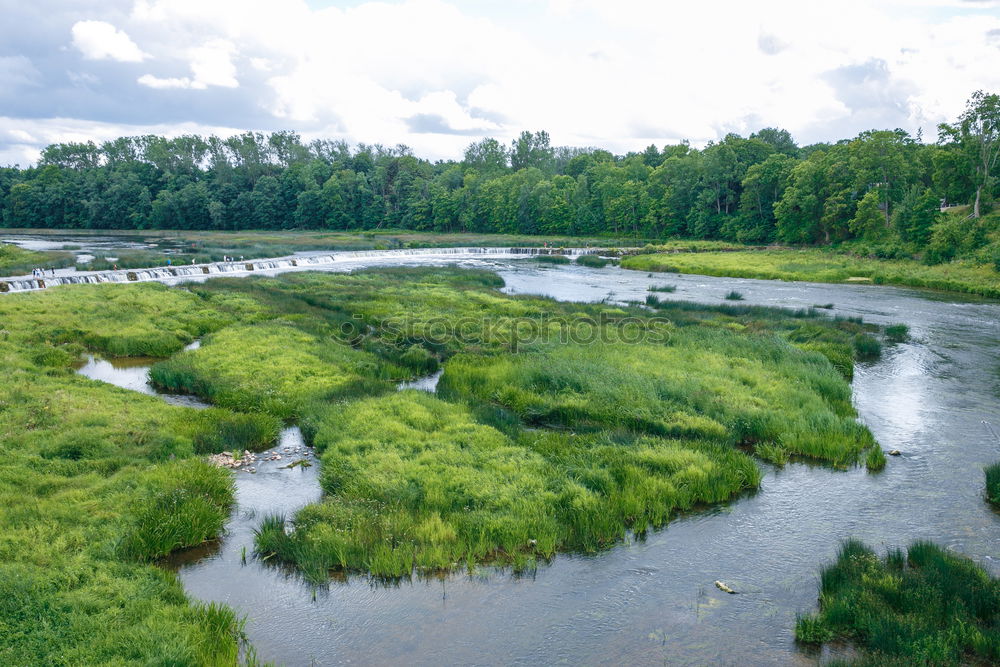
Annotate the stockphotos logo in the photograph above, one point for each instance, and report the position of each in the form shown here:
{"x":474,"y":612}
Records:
{"x":510,"y":333}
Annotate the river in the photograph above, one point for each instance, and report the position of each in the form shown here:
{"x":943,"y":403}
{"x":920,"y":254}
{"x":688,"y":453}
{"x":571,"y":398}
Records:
{"x":935,"y":398}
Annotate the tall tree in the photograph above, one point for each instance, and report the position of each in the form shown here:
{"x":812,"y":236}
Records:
{"x":976,"y":139}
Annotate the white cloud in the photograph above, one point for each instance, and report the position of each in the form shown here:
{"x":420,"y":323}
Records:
{"x":164,"y":83}
{"x":98,"y":40}
{"x":211,"y":65}
{"x":21,"y":140}
{"x":436,"y":74}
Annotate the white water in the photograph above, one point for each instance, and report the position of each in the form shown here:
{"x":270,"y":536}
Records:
{"x":180,"y":273}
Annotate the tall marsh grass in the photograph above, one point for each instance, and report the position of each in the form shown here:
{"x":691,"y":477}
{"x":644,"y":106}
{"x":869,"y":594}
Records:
{"x":923,"y":605}
{"x":993,"y":483}
{"x":415,"y":483}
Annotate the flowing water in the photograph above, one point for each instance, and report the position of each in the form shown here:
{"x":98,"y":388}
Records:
{"x":936,"y":399}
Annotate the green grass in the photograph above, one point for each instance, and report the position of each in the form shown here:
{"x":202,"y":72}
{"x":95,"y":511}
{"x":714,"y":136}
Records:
{"x":551,"y":259}
{"x":694,"y":245}
{"x":414,"y":482}
{"x":663,"y":288}
{"x":97,"y":482}
{"x":734,"y":296}
{"x":593,"y":261}
{"x":141,"y":259}
{"x":993,"y":483}
{"x":924,"y":605}
{"x":714,"y":384}
{"x":827,"y":266}
{"x":867,"y":347}
{"x":897,"y":333}
{"x":275,"y":368}
{"x":612,"y":439}
{"x":875,"y":460}
{"x":213,"y":245}
{"x":15,"y":261}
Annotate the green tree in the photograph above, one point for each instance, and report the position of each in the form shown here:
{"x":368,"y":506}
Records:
{"x":975,"y":140}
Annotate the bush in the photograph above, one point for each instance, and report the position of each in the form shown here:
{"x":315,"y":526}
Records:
{"x":734,"y":296}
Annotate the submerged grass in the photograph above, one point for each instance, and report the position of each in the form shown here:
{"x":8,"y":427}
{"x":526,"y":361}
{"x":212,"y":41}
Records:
{"x":923,"y":605}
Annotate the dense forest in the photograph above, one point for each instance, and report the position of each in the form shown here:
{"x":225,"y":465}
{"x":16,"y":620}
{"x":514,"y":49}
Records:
{"x":883,"y":186}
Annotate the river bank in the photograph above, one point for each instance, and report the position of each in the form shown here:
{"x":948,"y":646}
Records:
{"x":825,"y":266}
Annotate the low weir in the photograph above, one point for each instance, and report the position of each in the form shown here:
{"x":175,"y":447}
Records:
{"x":24,"y":284}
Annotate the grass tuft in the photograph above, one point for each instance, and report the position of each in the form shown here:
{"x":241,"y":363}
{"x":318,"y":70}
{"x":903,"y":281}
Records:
{"x":593,"y":261}
{"x":897,"y":333}
{"x":993,"y":483}
{"x":866,"y":347}
{"x":923,"y":606}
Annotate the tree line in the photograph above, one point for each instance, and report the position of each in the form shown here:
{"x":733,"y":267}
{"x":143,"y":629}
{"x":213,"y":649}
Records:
{"x":880,"y":185}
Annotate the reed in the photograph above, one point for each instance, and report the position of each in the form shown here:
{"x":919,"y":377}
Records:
{"x":993,"y":483}
{"x":415,"y":484}
{"x":897,"y":333}
{"x":867,"y":347}
{"x":924,"y":605}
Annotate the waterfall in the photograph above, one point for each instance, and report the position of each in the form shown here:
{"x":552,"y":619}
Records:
{"x":215,"y":268}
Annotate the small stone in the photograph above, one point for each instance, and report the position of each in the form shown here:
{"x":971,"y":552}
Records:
{"x":895,"y":452}
{"x":725,"y":589}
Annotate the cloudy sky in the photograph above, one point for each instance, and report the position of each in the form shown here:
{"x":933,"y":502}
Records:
{"x":439,"y":74}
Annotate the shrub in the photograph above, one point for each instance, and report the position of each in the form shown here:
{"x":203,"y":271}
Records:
{"x":734,"y":296}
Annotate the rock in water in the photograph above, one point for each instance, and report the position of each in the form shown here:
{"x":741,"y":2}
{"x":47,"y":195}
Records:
{"x":725,"y":589}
